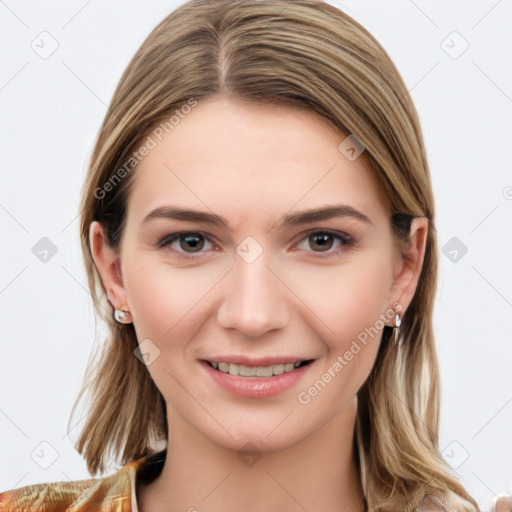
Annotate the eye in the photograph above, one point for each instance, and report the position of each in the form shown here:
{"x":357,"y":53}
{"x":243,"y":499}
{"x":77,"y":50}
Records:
{"x":182,"y":242}
{"x":325,"y":240}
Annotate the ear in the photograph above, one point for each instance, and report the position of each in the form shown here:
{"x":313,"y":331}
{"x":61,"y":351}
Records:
{"x":108,"y":264}
{"x":408,"y":265}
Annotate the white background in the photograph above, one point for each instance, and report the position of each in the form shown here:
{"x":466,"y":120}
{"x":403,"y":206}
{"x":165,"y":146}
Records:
{"x":51,"y":110}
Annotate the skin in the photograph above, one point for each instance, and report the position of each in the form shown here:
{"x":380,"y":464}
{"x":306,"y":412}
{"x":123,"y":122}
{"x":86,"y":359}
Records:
{"x":252,"y":164}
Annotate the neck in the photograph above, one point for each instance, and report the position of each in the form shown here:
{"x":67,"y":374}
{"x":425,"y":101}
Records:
{"x":317,"y":473}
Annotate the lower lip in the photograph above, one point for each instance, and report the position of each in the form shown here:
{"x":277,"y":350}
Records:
{"x":256,"y":387}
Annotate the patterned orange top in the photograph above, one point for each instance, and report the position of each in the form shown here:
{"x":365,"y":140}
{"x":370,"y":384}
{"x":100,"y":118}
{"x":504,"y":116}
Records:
{"x":114,"y":493}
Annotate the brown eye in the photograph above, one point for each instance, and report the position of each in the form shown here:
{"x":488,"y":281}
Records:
{"x":330,"y":243}
{"x":186,"y":243}
{"x":322,"y":241}
{"x":193,"y":241}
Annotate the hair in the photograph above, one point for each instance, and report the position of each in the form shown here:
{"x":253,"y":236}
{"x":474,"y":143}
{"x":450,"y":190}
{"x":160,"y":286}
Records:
{"x":310,"y":55}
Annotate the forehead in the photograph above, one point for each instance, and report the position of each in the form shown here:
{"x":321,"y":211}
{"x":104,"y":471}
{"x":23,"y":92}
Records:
{"x":246,"y":161}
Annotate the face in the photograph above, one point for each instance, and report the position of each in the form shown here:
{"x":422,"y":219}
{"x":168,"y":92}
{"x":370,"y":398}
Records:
{"x":255,"y":283}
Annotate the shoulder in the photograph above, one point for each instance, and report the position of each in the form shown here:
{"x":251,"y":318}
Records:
{"x":100,"y":494}
{"x":45,"y":497}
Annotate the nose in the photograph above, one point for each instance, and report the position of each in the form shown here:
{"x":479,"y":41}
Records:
{"x":254,"y":300}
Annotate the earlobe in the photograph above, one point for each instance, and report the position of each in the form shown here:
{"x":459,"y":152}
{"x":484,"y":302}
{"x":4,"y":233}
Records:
{"x":107,"y":261}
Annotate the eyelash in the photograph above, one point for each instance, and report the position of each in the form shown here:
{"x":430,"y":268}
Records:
{"x":346,"y":241}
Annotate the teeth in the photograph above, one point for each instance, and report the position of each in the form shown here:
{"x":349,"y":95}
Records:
{"x":247,"y":371}
{"x":264,"y":371}
{"x":278,"y":369}
{"x":255,"y":371}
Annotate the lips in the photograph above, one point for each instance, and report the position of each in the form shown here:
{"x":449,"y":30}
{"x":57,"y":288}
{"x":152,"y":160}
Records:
{"x":256,"y":377}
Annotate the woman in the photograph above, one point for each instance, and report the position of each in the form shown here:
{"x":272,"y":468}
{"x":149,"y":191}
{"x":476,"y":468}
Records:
{"x":258,"y":231}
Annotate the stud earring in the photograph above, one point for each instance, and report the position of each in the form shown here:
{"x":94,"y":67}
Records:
{"x":122,"y":316}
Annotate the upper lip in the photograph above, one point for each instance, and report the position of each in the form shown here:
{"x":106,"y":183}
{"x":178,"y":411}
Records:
{"x":256,"y":361}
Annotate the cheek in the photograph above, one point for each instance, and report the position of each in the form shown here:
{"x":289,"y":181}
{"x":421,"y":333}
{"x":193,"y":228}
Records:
{"x":167,"y":304}
{"x":346,"y":299}
{"x":156,"y":297}
{"x":354,"y":309}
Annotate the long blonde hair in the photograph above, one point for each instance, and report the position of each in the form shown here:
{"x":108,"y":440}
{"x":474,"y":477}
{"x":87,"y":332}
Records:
{"x":306,"y":54}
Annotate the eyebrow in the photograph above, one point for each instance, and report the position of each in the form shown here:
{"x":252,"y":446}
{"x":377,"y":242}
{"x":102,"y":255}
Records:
{"x":292,"y":219}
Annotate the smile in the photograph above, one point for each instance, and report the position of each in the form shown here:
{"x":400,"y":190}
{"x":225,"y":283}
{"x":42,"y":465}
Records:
{"x":256,"y":371}
{"x":256,"y":377}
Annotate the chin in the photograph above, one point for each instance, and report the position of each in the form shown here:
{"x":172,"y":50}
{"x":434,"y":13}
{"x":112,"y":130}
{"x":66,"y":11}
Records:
{"x":262,"y":437}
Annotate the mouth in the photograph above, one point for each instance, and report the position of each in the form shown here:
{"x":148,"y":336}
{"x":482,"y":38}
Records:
{"x":256,"y":377}
{"x":240,"y":370}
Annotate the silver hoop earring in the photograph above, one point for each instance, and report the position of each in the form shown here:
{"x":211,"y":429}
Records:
{"x":122,"y":316}
{"x":396,"y":329}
